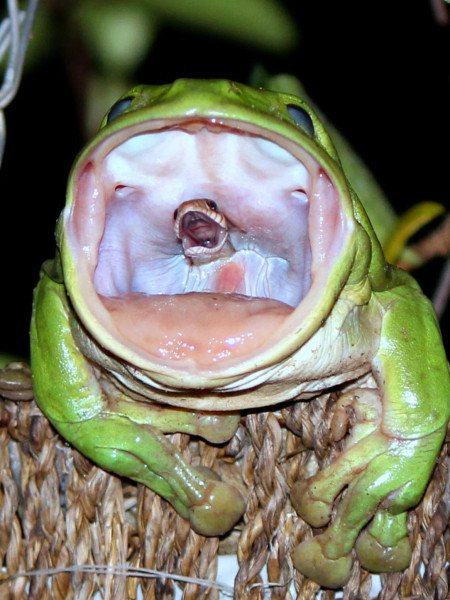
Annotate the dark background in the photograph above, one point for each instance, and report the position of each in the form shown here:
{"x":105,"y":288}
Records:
{"x":378,"y":70}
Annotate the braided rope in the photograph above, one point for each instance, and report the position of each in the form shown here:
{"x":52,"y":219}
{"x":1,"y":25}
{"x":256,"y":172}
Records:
{"x":81,"y":530}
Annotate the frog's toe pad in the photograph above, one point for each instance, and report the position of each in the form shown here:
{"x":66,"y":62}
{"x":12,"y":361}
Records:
{"x":310,"y":560}
{"x":316,"y":512}
{"x":221,"y":507}
{"x":377,"y":558}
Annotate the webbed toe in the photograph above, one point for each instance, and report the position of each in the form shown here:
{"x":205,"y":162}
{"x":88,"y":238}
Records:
{"x":221,"y":507}
{"x":316,"y":512}
{"x":376,"y":557}
{"x":311,"y":561}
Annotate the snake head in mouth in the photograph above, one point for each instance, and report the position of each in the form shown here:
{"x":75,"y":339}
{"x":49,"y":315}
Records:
{"x":202,"y":229}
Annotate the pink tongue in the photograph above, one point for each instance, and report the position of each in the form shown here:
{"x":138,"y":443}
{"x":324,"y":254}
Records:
{"x":203,"y":327}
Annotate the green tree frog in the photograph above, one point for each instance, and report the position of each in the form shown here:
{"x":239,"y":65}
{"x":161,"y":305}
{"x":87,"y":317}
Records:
{"x":212,"y":258}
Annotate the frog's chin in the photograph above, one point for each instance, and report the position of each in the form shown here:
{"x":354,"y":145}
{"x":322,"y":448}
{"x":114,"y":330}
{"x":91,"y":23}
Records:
{"x":142,"y":299}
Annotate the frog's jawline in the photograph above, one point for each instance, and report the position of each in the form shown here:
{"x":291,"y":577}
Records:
{"x":157,"y":300}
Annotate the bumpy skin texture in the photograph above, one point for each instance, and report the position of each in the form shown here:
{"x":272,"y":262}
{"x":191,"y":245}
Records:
{"x":370,"y":318}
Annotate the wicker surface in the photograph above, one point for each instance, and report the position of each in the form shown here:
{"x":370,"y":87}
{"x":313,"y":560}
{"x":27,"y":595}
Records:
{"x":59,"y":511}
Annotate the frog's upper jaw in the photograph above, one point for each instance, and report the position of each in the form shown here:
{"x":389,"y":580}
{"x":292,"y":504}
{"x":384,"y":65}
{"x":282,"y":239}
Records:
{"x":206,"y":325}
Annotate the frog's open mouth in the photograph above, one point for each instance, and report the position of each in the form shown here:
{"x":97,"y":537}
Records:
{"x":259,"y":226}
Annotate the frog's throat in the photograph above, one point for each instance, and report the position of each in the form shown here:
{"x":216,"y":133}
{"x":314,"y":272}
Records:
{"x":134,"y":289}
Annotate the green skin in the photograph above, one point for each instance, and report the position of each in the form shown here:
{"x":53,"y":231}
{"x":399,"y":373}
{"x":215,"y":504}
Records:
{"x":391,"y":451}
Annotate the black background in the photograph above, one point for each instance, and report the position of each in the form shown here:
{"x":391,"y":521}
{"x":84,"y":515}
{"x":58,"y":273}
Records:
{"x":379,"y":71}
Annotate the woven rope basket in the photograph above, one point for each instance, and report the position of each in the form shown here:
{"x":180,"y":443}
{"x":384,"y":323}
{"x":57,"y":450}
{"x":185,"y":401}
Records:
{"x":60,"y":512}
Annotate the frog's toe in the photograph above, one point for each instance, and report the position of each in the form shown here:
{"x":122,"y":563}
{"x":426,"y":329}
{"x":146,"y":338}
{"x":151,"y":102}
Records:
{"x":217,"y":429}
{"x":311,"y":561}
{"x":221,"y":507}
{"x":316,"y":512}
{"x":376,"y":557}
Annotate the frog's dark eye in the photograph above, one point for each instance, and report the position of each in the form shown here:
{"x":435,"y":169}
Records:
{"x":175,"y":214}
{"x":212,"y":205}
{"x":118,"y":108}
{"x":301,"y":118}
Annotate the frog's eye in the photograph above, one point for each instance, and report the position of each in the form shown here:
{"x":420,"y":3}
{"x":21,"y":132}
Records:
{"x":301,"y":118}
{"x":118,"y":108}
{"x":212,"y":205}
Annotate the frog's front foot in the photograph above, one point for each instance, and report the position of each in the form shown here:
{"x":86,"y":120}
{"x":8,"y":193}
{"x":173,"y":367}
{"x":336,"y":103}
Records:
{"x":143,"y":453}
{"x":129,"y":444}
{"x":380,"y":478}
{"x":320,"y":558}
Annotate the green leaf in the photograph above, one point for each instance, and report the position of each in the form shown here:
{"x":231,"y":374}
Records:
{"x":265,"y":24}
{"x":118,"y":34}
